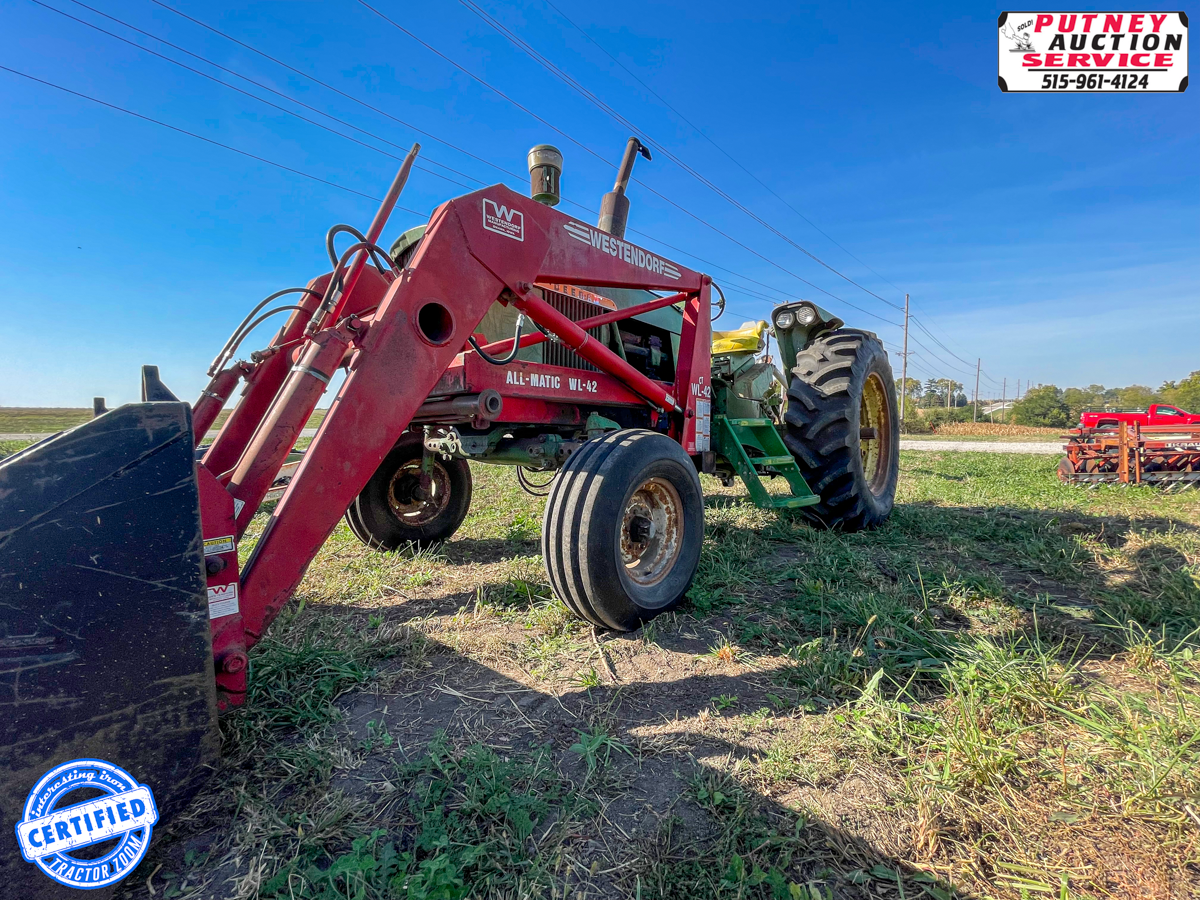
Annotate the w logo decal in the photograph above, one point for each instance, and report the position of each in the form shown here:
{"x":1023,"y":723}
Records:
{"x":502,"y":220}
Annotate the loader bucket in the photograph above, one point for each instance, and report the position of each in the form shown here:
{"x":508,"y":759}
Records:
{"x":105,"y":647}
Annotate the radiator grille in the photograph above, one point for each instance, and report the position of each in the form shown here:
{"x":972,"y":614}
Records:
{"x":575,"y":309}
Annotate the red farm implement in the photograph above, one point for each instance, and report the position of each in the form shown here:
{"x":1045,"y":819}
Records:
{"x":502,"y":332}
{"x":1129,"y":453}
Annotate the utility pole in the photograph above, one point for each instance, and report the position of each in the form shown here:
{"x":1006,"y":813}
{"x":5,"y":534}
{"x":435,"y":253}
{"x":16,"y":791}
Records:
{"x":1004,"y":397}
{"x":904,"y":365}
{"x":975,"y":414}
{"x":949,"y":390}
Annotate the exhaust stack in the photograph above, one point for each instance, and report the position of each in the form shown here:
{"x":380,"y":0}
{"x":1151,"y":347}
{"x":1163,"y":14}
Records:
{"x":614,"y":206}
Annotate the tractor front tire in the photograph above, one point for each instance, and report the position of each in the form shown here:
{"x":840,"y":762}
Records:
{"x":843,"y":429}
{"x":401,"y":507}
{"x":623,"y":528}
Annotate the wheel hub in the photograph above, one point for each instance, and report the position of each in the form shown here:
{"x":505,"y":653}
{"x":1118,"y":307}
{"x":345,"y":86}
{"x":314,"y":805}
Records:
{"x":651,"y":531}
{"x":416,"y":497}
{"x":640,"y":529}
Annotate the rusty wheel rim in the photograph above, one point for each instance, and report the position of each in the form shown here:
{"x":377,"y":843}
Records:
{"x":874,"y":420}
{"x":651,"y":532}
{"x":413,"y":502}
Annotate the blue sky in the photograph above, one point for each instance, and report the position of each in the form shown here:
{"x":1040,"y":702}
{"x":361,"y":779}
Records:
{"x":1055,"y":236}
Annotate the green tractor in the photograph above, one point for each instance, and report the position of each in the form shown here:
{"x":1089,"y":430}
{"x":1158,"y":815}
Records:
{"x":829,"y":426}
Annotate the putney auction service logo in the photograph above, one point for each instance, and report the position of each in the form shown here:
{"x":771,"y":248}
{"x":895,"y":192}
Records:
{"x":1057,"y":52}
{"x":87,"y":823}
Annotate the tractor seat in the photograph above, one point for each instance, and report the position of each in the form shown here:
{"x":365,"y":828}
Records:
{"x":750,"y":338}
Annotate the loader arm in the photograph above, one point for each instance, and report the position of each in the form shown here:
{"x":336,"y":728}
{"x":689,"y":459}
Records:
{"x":477,"y":248}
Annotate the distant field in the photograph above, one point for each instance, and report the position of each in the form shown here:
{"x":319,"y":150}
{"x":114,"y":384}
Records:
{"x":46,"y":420}
{"x":998,"y":430}
{"x":37,"y":419}
{"x":989,"y":431}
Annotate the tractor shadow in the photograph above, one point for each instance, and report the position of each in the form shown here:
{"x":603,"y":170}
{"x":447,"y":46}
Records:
{"x":658,"y":814}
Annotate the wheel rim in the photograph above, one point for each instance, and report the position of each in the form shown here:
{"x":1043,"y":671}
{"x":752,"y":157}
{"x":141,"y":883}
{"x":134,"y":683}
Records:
{"x":413,"y":502}
{"x":651,"y":531}
{"x":874,"y":415}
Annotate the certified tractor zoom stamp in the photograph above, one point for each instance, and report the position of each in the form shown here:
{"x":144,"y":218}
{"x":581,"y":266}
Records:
{"x":87,"y":823}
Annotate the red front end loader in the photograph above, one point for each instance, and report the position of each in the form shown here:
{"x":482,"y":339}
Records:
{"x":501,"y":332}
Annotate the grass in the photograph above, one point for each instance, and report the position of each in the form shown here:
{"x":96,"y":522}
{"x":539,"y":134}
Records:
{"x":8,"y":448}
{"x":995,"y":695}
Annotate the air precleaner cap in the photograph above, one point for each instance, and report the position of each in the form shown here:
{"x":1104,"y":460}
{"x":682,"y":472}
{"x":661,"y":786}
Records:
{"x":545,"y":172}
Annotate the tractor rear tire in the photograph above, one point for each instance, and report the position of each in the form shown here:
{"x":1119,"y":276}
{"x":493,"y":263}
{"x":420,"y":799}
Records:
{"x":623,"y":528}
{"x":842,"y":429}
{"x":394,"y":510}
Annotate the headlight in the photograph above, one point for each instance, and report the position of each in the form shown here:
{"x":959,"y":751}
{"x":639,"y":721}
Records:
{"x":785,"y":320}
{"x":806,"y":314}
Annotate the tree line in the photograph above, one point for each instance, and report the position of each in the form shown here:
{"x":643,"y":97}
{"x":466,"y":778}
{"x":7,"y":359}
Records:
{"x":932,"y":393}
{"x":1055,"y":407}
{"x":1046,"y":405}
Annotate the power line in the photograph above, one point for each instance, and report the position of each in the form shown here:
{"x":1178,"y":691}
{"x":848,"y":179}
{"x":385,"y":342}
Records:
{"x":200,"y":137}
{"x":589,"y":150}
{"x":333,"y":118}
{"x":330,"y":87}
{"x":247,"y":93}
{"x":934,"y":338}
{"x":488,"y":162}
{"x":341,"y":121}
{"x":281,"y":165}
{"x":491,"y":20}
{"x":258,"y":84}
{"x":732,"y":159}
{"x":912,"y":337}
{"x":746,"y":291}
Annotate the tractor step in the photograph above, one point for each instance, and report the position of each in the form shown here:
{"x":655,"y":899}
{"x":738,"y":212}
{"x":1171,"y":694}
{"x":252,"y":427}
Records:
{"x":773,"y":460}
{"x":778,"y":502}
{"x":734,"y":437}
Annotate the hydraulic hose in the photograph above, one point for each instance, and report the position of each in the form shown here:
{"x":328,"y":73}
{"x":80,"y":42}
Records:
{"x":516,"y":348}
{"x":226,"y":353}
{"x":256,"y":323}
{"x":328,"y":299}
{"x":530,"y":487}
{"x":351,"y":230}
